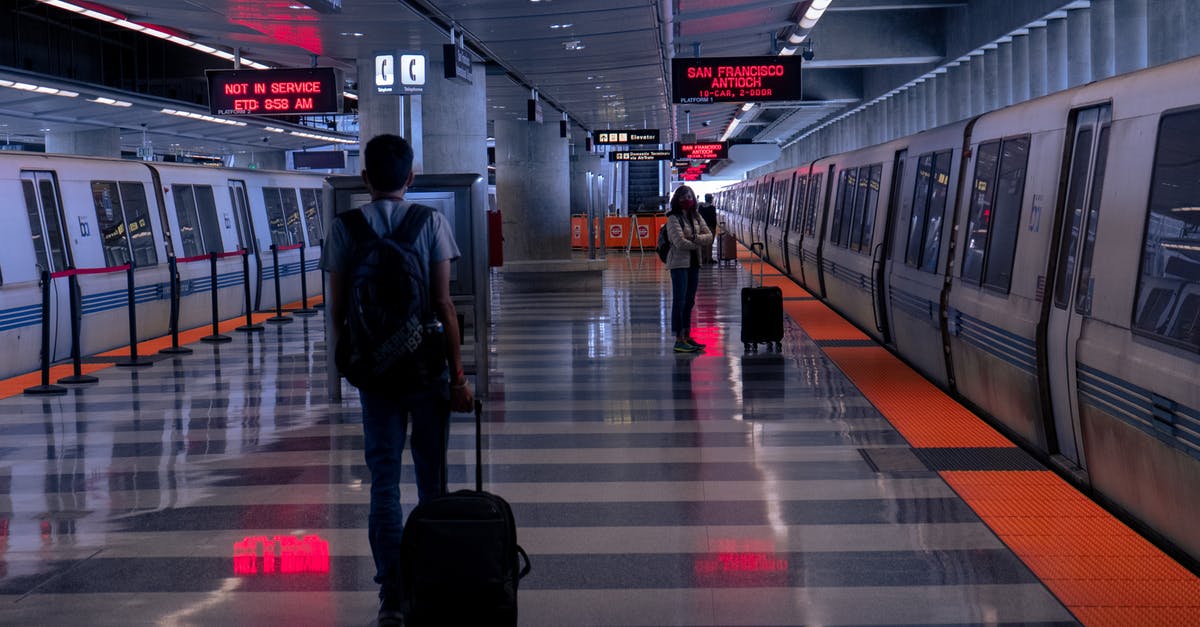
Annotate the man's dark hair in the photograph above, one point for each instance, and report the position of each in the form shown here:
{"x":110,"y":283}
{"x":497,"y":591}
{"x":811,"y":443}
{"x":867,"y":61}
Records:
{"x":708,"y":198}
{"x":388,"y":161}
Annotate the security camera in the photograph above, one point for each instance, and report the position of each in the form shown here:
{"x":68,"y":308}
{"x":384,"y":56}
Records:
{"x":266,"y":139}
{"x":687,"y":111}
{"x":706,"y":123}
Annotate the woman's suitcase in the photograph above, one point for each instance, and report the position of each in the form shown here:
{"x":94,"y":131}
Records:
{"x":460,"y":560}
{"x":726,"y":247}
{"x":762,"y":312}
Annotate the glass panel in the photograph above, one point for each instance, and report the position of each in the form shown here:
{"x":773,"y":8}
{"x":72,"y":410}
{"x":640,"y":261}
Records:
{"x":278,"y":224}
{"x":1010,"y":189}
{"x":845,"y":204}
{"x":137,"y":217}
{"x":210,"y":225}
{"x":920,"y":206}
{"x":937,"y":211}
{"x":868,"y":228}
{"x":1171,"y":258}
{"x":35,"y":224}
{"x":54,"y":222}
{"x":189,"y":228}
{"x":1083,"y":289}
{"x":810,"y":214}
{"x":798,"y":205}
{"x":311,"y":198}
{"x":852,"y":237}
{"x":982,"y":191}
{"x":1080,"y":160}
{"x":291,"y":209}
{"x":110,"y":223}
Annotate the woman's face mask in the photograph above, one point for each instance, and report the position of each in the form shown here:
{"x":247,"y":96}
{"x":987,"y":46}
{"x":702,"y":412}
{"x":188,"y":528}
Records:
{"x":687,"y":204}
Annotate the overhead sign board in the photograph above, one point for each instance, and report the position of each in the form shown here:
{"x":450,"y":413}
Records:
{"x":456,"y":63}
{"x":735,"y":79}
{"x":287,"y":91}
{"x":640,"y":155}
{"x":704,"y":150}
{"x":400,"y":72}
{"x":642,"y":136}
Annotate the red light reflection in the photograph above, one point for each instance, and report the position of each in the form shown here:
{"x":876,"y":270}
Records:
{"x":741,"y":563}
{"x":279,"y":22}
{"x":309,"y":554}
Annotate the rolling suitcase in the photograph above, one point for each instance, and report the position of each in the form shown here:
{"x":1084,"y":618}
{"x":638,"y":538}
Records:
{"x":460,"y":559}
{"x":762,"y":312}
{"x":726,"y":246}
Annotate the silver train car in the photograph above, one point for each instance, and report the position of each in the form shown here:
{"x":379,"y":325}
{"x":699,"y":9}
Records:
{"x":1040,"y":262}
{"x":67,"y":212}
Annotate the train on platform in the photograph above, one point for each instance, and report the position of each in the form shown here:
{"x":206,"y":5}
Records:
{"x":1040,"y":262}
{"x":95,"y":215}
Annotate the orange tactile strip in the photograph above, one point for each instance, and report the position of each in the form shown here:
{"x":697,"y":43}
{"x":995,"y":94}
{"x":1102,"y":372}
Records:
{"x":1099,"y":568}
{"x":922,"y":413}
{"x":14,"y":386}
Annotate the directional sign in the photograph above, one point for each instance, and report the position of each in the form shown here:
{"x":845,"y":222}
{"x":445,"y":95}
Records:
{"x":640,"y":155}
{"x":644,"y":136}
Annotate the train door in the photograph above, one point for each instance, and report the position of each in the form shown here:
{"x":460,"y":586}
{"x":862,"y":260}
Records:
{"x":50,"y":244}
{"x":882,"y":254}
{"x":1071,"y":300}
{"x":247,"y":239}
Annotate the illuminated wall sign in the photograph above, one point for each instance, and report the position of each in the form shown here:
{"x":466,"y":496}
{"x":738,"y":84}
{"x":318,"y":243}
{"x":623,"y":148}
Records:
{"x":400,"y":73}
{"x":640,"y":155}
{"x":735,"y":79}
{"x":643,"y":136}
{"x":274,"y":92}
{"x":705,"y":150}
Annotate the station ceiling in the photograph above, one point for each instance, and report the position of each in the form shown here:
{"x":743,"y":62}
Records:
{"x":603,"y":62}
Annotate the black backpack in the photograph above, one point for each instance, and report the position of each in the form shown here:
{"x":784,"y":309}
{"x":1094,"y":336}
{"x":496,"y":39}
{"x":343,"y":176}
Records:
{"x":392,"y":342}
{"x":664,"y":243}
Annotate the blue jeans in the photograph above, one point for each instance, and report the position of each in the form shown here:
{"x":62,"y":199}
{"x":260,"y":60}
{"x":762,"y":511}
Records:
{"x":684,"y":282}
{"x":385,"y":426}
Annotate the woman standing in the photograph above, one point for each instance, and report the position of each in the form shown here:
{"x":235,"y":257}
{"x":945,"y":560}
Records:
{"x":689,"y":236}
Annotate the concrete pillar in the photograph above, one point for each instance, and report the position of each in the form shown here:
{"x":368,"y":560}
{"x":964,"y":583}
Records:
{"x":378,"y":113}
{"x":1056,"y":55}
{"x":1004,"y":74}
{"x":991,"y":79}
{"x":1079,"y":47}
{"x":1020,"y":68}
{"x":957,"y":87}
{"x":1132,"y":47}
{"x":1039,"y":61}
{"x":453,"y":125}
{"x":261,"y":159}
{"x":102,"y":142}
{"x":1193,"y":23}
{"x":533,"y":187}
{"x":1167,"y":25}
{"x":977,"y":88}
{"x":941,"y":89}
{"x":1104,"y":38}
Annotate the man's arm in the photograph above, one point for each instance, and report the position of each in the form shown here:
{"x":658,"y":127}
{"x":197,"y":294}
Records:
{"x":336,"y":304}
{"x":461,"y":398}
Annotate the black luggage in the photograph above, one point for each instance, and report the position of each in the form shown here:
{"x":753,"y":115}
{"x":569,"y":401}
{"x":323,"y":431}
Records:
{"x":762,"y":313}
{"x":460,"y":560}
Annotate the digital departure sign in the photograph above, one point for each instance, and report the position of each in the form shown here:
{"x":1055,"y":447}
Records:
{"x":735,"y":79}
{"x":293,"y":91}
{"x":642,"y":136}
{"x":640,"y":155}
{"x":705,"y":150}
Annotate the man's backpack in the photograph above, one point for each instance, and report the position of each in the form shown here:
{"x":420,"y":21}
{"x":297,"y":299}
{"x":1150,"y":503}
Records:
{"x":392,"y":342}
{"x":664,"y":243}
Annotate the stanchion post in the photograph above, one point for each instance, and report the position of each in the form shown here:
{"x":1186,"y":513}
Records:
{"x":45,"y":389}
{"x":278,"y":318}
{"x":215,"y":337}
{"x":249,"y":326}
{"x":76,"y":358}
{"x":304,"y":310}
{"x":174,"y":348}
{"x":321,"y":305}
{"x":133,"y":361}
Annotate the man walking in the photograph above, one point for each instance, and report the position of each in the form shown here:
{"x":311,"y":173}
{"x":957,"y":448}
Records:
{"x":708,"y":212}
{"x":388,"y":161}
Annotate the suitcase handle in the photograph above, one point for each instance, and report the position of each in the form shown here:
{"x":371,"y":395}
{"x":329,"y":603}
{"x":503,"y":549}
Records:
{"x":479,"y":448}
{"x":762,"y":262}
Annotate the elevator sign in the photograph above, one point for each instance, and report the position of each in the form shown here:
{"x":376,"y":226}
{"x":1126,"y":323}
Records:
{"x":289,"y":91}
{"x":735,"y":79}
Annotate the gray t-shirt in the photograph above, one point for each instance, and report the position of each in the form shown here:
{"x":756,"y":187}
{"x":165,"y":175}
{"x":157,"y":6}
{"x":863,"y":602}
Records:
{"x":435,"y":242}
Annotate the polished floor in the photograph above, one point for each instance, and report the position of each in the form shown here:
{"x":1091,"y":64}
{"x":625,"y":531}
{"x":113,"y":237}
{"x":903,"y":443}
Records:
{"x":649,"y":487}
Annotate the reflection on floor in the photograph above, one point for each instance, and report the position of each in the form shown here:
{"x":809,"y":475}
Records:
{"x":650,"y":488}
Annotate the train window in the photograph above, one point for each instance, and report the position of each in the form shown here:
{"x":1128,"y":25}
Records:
{"x":123,"y":220}
{"x":920,"y":208}
{"x":981,"y":210}
{"x":311,"y":199}
{"x":872,"y":204}
{"x":937,"y":211}
{"x":283,"y":216}
{"x":798,"y":205}
{"x":45,"y":220}
{"x":1083,"y":289}
{"x":849,"y":181}
{"x":1168,"y":301}
{"x":1006,"y":215}
{"x":810,"y":211}
{"x":199,"y":230}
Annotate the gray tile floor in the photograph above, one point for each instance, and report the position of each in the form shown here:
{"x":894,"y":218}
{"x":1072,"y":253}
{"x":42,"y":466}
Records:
{"x":650,"y":488}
